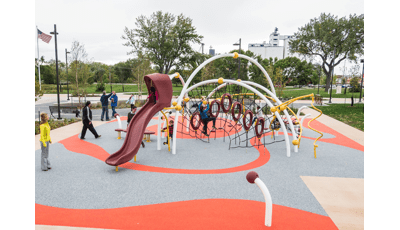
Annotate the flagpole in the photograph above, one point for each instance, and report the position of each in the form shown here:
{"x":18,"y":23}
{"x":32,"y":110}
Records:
{"x":37,"y":40}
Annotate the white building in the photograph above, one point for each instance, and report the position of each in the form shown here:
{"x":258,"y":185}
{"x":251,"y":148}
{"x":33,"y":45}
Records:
{"x":272,"y":49}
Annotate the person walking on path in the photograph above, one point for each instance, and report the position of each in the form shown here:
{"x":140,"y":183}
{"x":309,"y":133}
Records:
{"x":114,"y":102}
{"x":205,"y":118}
{"x":131,"y":101}
{"x":87,"y":121}
{"x":104,"y":105}
{"x":45,"y":141}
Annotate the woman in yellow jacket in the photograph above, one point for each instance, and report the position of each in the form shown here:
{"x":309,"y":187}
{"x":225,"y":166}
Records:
{"x":45,"y":141}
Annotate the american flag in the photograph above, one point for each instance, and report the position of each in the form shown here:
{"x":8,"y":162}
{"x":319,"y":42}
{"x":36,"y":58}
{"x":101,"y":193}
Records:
{"x":46,"y":38}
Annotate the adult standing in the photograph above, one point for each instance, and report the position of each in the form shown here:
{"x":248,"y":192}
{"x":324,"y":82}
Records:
{"x":104,"y":105}
{"x":87,"y":121}
{"x":114,"y":102}
{"x":131,"y":101}
{"x":45,"y":141}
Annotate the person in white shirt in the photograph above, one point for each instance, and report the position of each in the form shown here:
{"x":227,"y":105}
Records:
{"x":131,"y":101}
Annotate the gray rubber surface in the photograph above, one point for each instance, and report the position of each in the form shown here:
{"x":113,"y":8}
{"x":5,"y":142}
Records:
{"x":79,"y":181}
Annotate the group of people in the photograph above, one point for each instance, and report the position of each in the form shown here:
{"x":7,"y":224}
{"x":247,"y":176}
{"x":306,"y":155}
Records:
{"x":104,"y":104}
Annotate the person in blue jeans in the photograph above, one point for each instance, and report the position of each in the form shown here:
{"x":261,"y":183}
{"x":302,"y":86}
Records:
{"x":104,"y":105}
{"x":114,"y":102}
{"x":205,"y":118}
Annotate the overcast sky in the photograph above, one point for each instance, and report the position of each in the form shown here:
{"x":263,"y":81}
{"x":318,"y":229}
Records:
{"x":99,"y":24}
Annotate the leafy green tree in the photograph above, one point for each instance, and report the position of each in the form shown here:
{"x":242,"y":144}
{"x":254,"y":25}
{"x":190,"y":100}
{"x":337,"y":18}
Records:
{"x":123,"y":70}
{"x":164,"y":38}
{"x":296,"y":71}
{"x":322,"y":35}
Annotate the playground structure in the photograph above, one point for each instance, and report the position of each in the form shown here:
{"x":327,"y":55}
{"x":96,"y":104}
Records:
{"x":233,"y":116}
{"x":279,"y":110}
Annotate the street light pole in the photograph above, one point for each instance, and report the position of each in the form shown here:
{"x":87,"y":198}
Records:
{"x":362,"y":79}
{"x":330,"y":97}
{"x":240,"y":45}
{"x":66,"y":63}
{"x":58,"y":89}
{"x":319,"y":79}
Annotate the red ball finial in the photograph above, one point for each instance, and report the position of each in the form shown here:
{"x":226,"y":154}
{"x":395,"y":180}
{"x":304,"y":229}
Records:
{"x":251,"y":177}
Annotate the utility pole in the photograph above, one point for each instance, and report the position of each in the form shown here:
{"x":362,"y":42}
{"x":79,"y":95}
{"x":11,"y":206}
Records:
{"x":58,"y":89}
{"x":202,"y":48}
{"x":109,"y":74}
{"x":66,"y":63}
{"x":362,"y":79}
{"x":334,"y":51}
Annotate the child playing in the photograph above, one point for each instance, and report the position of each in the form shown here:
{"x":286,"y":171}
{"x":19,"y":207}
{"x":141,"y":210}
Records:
{"x":45,"y":141}
{"x":170,"y":129}
{"x":130,"y":116}
{"x":153,"y":94}
{"x":131,"y":113}
{"x":259,"y":113}
{"x":205,"y":118}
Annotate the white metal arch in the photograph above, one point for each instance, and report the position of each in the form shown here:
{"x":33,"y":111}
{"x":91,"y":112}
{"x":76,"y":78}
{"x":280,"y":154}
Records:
{"x":294,"y":137}
{"x":174,"y":140}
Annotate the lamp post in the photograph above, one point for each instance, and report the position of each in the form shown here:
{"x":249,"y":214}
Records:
{"x":58,"y":90}
{"x":362,"y":79}
{"x":330,"y":97}
{"x":239,"y":44}
{"x":66,"y":63}
{"x":319,"y":79}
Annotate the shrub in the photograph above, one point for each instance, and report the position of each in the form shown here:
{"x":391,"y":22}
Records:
{"x":355,"y":85}
{"x":100,"y":87}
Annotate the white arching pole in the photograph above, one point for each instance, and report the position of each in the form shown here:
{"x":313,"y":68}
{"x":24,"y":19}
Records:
{"x":234,"y":55}
{"x":184,"y":91}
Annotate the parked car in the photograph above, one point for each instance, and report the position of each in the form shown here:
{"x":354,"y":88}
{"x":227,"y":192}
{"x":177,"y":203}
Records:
{"x":310,"y":85}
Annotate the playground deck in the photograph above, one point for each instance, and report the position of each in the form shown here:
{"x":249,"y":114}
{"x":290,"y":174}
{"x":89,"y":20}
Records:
{"x":204,"y":185}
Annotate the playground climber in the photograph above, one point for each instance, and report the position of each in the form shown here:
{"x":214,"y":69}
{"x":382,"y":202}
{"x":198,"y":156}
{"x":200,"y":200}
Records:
{"x":205,"y":118}
{"x":170,"y":129}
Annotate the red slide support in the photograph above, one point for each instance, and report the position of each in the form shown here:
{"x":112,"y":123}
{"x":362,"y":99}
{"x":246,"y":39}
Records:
{"x":138,"y":124}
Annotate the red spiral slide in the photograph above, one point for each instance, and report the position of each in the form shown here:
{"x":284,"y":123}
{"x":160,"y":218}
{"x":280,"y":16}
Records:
{"x":138,"y":124}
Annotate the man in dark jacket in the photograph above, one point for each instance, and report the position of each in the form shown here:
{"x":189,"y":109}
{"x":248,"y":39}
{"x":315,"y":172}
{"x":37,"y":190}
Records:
{"x":87,"y":121}
{"x":104,"y":104}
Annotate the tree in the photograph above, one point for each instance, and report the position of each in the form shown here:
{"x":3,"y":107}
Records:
{"x":124,"y":71}
{"x":78,"y":57}
{"x":164,"y":38}
{"x":322,"y":35}
{"x":295,"y":71}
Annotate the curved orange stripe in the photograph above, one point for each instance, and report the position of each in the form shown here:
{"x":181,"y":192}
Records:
{"x":193,"y":214}
{"x":339,"y":138}
{"x":74,"y":144}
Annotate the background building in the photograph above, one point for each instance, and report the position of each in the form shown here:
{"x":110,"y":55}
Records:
{"x":272,"y":49}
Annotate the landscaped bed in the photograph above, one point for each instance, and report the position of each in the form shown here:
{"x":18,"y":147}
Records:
{"x":55,"y":124}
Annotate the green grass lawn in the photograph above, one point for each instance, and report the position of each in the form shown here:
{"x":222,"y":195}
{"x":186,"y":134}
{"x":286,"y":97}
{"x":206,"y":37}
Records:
{"x":351,"y":115}
{"x":287,"y":92}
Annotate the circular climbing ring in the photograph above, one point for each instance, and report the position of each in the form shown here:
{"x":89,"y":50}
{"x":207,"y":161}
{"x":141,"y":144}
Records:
{"x":195,"y":114}
{"x":211,"y":106}
{"x":222,"y":102}
{"x":261,"y":121}
{"x":247,"y":126}
{"x":236,"y":104}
